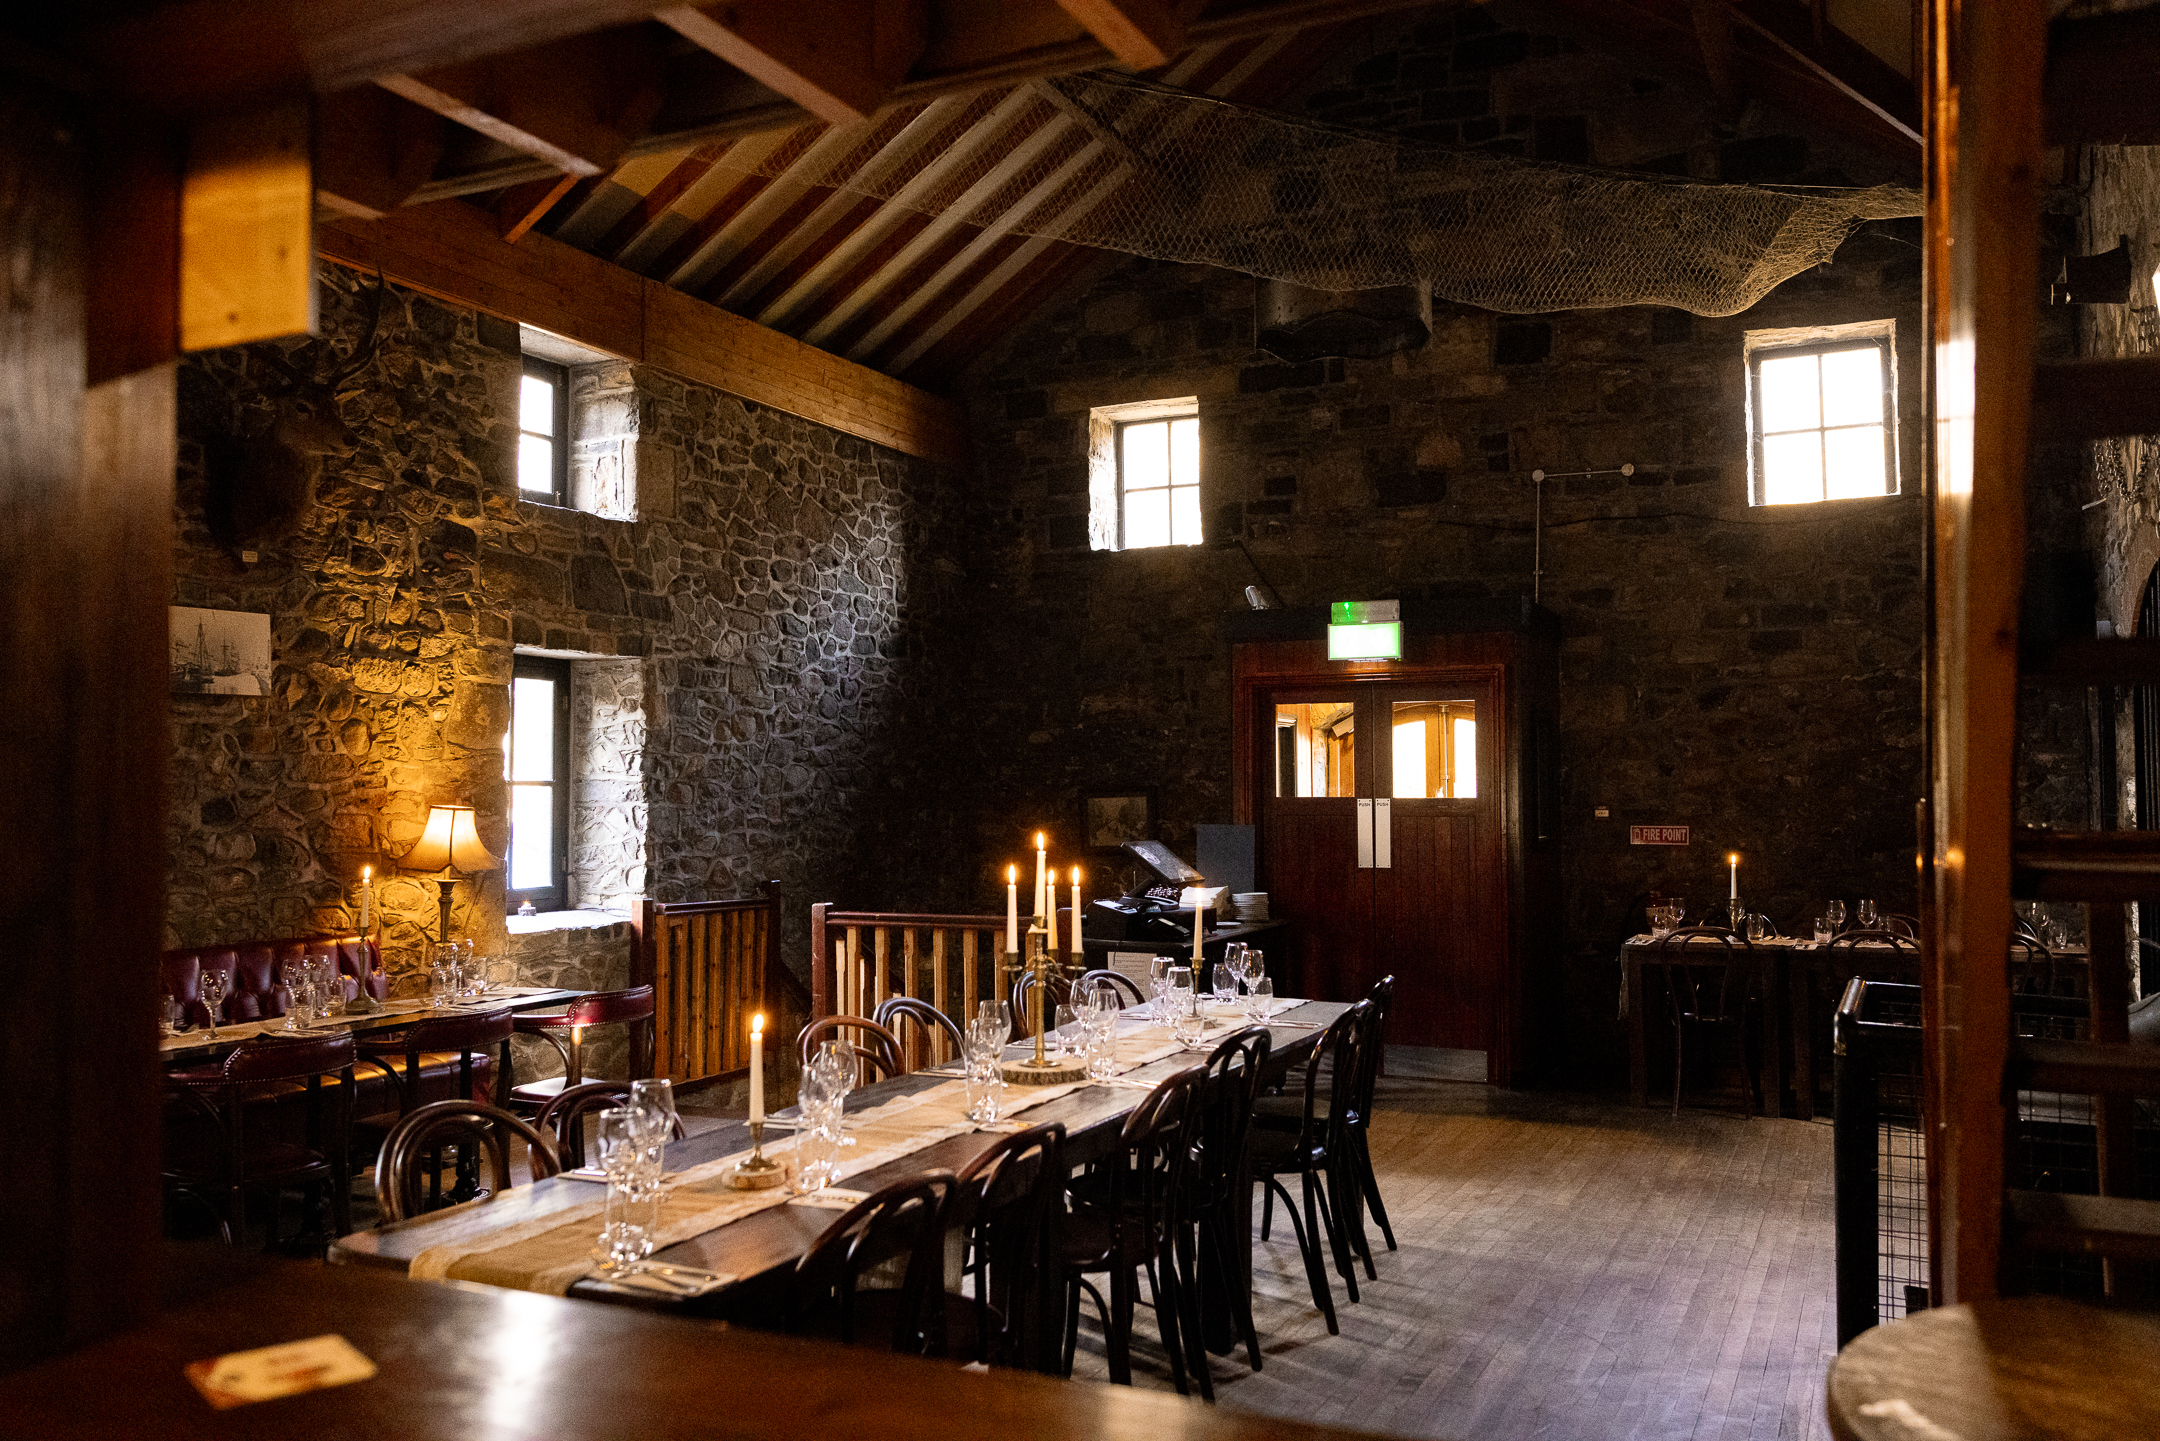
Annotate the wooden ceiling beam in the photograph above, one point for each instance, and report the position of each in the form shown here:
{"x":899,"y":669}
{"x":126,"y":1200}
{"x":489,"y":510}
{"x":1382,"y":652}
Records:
{"x":1144,"y":34}
{"x":522,"y":207}
{"x":453,"y":251}
{"x":576,"y":104}
{"x":838,"y":60}
{"x":247,"y":219}
{"x":373,"y":150}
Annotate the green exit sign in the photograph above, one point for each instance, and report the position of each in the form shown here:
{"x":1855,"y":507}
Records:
{"x":1365,"y":630}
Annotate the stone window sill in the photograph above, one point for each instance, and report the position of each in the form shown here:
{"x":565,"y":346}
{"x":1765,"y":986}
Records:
{"x":564,"y":921}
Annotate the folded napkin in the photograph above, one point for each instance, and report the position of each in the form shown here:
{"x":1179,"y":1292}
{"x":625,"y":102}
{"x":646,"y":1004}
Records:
{"x":832,"y":1198}
{"x":671,"y":1281}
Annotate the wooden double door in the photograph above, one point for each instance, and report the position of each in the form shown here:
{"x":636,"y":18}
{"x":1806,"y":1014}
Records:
{"x":1380,"y":805}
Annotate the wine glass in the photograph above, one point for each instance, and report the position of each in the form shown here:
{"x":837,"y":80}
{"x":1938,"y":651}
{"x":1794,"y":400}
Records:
{"x":1224,"y":981}
{"x":1676,"y":909}
{"x":633,"y":1191}
{"x":1836,"y":913}
{"x":1868,"y":918}
{"x":1158,"y":977}
{"x":838,"y":1057}
{"x":212,"y":988}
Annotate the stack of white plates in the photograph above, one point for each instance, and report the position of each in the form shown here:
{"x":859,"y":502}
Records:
{"x":1250,"y":905}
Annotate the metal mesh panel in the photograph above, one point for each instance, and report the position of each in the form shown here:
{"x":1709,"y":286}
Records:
{"x":1121,"y":164}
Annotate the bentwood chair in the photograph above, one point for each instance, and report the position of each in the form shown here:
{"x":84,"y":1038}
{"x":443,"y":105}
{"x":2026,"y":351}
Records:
{"x":472,"y":1042}
{"x":1318,"y":1152}
{"x":876,"y":1050}
{"x":1124,"y":987}
{"x":409,"y":1151}
{"x":1818,"y":978}
{"x":1126,"y":1215}
{"x":902,"y":1014}
{"x":1219,"y":1215}
{"x":1374,"y":1053}
{"x":565,"y":1031}
{"x":1710,"y":981}
{"x":237,"y":1096}
{"x":1057,"y":992}
{"x":825,"y":1296}
{"x":564,"y":1116}
{"x":1002,"y":1202}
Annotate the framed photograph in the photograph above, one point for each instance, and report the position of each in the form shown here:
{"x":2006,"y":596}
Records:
{"x":1108,"y":819}
{"x":220,"y":652}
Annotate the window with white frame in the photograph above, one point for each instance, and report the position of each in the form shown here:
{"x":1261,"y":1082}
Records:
{"x":537,"y":766}
{"x":1822,"y":412}
{"x":1144,"y":475}
{"x":544,"y":432}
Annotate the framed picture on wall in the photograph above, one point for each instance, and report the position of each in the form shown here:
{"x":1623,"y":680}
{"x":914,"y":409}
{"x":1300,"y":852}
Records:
{"x":1108,"y":819}
{"x":219,"y":652}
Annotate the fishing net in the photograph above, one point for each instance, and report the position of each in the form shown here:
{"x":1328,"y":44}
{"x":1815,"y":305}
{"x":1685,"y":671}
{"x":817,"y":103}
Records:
{"x":1122,"y":164}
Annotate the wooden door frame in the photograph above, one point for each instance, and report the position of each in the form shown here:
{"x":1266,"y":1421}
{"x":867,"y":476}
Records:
{"x":1497,"y":664}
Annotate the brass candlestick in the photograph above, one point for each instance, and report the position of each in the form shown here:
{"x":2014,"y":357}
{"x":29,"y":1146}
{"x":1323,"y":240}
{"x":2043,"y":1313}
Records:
{"x":1041,"y":1071}
{"x":756,"y":1171}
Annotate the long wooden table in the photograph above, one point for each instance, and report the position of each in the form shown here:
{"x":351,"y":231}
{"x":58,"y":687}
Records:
{"x":460,"y":1363}
{"x":190,"y":1047}
{"x":761,"y":1249}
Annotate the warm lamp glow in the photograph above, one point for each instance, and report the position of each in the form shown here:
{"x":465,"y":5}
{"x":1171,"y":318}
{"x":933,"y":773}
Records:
{"x":450,"y":842}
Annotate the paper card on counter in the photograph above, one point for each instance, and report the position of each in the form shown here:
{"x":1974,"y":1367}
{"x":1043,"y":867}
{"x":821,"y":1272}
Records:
{"x":269,"y":1372}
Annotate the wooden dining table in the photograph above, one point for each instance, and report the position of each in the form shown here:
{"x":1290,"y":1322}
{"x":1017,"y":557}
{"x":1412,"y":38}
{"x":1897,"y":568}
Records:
{"x":760,"y":1249}
{"x":195,"y":1046}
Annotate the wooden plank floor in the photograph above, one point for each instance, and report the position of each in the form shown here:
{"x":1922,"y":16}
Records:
{"x":1570,"y":1268}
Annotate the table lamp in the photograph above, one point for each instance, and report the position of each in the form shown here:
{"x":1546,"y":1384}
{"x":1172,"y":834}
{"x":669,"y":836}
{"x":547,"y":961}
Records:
{"x":451,"y":843}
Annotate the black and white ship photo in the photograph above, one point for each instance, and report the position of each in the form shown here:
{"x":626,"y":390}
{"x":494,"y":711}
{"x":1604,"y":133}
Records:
{"x":220,"y":652}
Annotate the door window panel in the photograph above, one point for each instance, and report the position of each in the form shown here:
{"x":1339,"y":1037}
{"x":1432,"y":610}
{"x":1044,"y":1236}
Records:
{"x":1435,"y":750}
{"x":1316,"y":749}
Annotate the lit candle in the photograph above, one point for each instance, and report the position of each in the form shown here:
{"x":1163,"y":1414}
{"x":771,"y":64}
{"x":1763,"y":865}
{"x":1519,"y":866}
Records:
{"x":1012,"y":909}
{"x":757,"y":1068}
{"x":367,"y":895}
{"x":1076,"y":911}
{"x":1733,"y":861}
{"x":1041,"y":857}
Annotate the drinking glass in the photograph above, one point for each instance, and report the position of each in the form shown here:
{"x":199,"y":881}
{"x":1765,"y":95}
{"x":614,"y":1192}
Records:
{"x":1835,"y":914}
{"x":1757,"y":927}
{"x":653,"y":1102}
{"x":1255,"y":966}
{"x":1676,"y":908}
{"x":985,"y":1091}
{"x":1261,"y":1002}
{"x":1223,"y":981}
{"x":211,"y":986}
{"x":1063,"y":1033}
{"x":1823,"y":931}
{"x":1158,"y":971}
{"x":632,"y":1215}
{"x":838,"y":1058}
{"x":170,"y":1012}
{"x":439,"y":984}
{"x":1661,"y":920}
{"x":1868,"y":918}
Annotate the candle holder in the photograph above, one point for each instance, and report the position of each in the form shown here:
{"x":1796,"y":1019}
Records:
{"x":756,"y":1171}
{"x":1041,"y":1070}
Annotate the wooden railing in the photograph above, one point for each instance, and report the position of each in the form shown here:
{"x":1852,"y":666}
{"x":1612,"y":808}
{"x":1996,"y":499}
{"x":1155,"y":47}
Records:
{"x":859,"y":958}
{"x":712,"y":965}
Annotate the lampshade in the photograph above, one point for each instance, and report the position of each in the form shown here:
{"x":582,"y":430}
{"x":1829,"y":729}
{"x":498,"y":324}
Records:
{"x":450,"y":841}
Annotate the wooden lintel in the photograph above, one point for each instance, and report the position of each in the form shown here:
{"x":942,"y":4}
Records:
{"x":1141,"y":33}
{"x":247,"y":214}
{"x":453,"y":251}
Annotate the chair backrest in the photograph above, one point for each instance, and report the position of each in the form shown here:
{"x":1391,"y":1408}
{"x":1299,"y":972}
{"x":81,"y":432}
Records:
{"x":859,"y":958}
{"x":1904,"y":925}
{"x":1002,"y":1200}
{"x":461,"y":1035}
{"x":1151,"y":1171}
{"x":875,"y":1048}
{"x":1372,"y":1051}
{"x":928,"y":1035}
{"x":712,"y":965}
{"x":564,"y":1115}
{"x":1709,"y":972}
{"x":1057,"y":992}
{"x":275,"y":1058}
{"x":604,"y":1008}
{"x":398,"y":1167}
{"x":1877,"y":953}
{"x":1124,"y":987}
{"x":1233,"y":1082}
{"x":905,"y":1218}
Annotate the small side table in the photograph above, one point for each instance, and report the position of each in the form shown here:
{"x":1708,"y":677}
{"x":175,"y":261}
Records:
{"x":2032,"y":1369}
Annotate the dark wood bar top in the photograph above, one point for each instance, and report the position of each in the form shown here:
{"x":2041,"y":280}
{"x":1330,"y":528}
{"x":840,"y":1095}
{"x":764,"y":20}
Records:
{"x":461,"y":1363}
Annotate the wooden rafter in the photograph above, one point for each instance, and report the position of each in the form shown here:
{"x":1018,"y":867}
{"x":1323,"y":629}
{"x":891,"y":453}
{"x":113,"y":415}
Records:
{"x":1140,"y":33}
{"x":838,"y":60}
{"x":453,"y":251}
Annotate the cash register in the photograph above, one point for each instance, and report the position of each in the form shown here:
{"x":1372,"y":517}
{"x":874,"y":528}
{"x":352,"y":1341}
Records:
{"x":1159,"y":912}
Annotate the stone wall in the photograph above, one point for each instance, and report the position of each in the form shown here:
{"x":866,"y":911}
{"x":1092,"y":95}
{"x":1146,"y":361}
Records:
{"x":1751,"y":672}
{"x":756,"y":640}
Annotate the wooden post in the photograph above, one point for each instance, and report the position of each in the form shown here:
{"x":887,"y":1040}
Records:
{"x":821,"y":978}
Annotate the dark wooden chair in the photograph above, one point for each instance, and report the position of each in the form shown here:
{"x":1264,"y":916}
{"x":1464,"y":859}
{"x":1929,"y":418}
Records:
{"x":410,"y":1151}
{"x":1218,"y":1220}
{"x":1907,"y":926}
{"x":1125,"y":1218}
{"x":1374,"y":1055}
{"x":825,"y":1296}
{"x":877,"y":1050}
{"x":1057,"y":992}
{"x":563,"y":1117}
{"x":565,"y":1031}
{"x":1123,"y":986}
{"x":902,"y":1015}
{"x":1817,"y":980}
{"x":236,"y":1095}
{"x":472,"y":1042}
{"x":1318,"y":1153}
{"x":1710,"y":980}
{"x":1003,"y":1201}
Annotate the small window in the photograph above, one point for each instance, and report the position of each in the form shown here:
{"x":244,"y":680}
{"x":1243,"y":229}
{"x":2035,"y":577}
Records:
{"x":537,"y":764}
{"x":544,"y":432}
{"x":1144,"y":474}
{"x":1823,"y":417}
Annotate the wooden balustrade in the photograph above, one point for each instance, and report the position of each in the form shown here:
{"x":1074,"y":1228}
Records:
{"x":859,"y":958}
{"x":712,"y":965}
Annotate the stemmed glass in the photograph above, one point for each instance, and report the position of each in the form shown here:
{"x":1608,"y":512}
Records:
{"x":633,"y":1190}
{"x":839,"y":1058}
{"x":1158,"y":971}
{"x":1836,"y":912}
{"x":1677,"y":908}
{"x":1867,"y":916}
{"x":1223,"y":981}
{"x":1260,"y":1001}
{"x":1178,"y":991}
{"x":212,"y":987}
